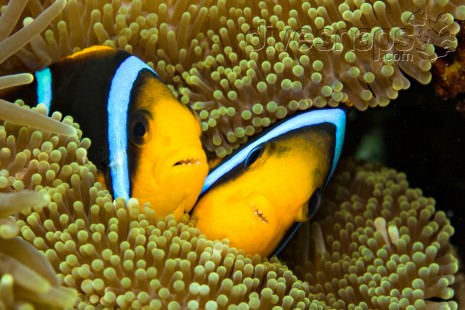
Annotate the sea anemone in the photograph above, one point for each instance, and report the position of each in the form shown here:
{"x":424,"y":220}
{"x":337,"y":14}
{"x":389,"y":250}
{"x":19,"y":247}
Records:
{"x":386,"y":240}
{"x":26,"y":277}
{"x":84,"y":235}
{"x":29,"y":157}
{"x":10,"y":44}
{"x":117,"y":255}
{"x":376,"y":244}
{"x":243,"y":64}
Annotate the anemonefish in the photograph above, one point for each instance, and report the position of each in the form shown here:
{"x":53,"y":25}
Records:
{"x":145,"y":142}
{"x":262,"y":192}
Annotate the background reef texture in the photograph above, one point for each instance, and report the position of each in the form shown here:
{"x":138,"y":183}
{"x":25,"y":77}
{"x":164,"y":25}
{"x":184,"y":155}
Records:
{"x":378,"y":242}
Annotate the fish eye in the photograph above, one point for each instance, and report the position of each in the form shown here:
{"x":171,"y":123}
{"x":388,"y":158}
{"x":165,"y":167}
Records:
{"x":314,"y":203}
{"x":138,"y":129}
{"x":254,"y":155}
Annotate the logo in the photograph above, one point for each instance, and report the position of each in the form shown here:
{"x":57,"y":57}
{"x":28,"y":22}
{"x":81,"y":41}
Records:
{"x":390,"y":44}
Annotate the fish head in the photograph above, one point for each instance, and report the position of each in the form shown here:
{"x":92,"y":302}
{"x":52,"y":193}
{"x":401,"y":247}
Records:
{"x":169,"y":164}
{"x":255,"y":209}
{"x":256,"y":195}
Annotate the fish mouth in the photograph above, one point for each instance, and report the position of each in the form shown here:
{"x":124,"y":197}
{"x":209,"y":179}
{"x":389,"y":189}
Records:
{"x":260,"y":206}
{"x":188,"y":162}
{"x":260,"y":215}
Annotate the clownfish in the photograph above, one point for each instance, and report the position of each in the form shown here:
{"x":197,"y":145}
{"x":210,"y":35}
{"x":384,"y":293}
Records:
{"x":145,"y":142}
{"x":262,"y":192}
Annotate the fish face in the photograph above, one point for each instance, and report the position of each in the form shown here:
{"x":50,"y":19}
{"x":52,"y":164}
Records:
{"x":256,"y":195}
{"x":257,"y":208}
{"x":169,"y":164}
{"x":146,"y":144}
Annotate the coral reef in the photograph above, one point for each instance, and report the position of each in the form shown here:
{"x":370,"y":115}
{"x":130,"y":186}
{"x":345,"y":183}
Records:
{"x":449,"y":71}
{"x":376,"y":244}
{"x":244,"y":64}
